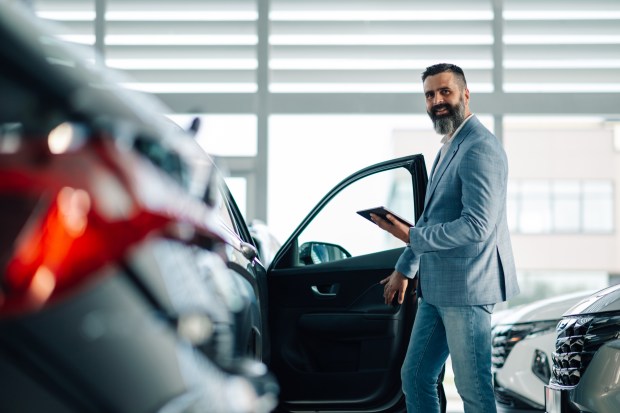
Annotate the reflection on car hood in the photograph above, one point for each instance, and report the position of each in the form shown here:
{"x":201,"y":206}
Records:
{"x":605,"y":300}
{"x":547,"y":309}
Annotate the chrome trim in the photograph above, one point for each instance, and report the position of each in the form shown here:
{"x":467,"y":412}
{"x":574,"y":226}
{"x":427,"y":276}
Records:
{"x":556,"y":400}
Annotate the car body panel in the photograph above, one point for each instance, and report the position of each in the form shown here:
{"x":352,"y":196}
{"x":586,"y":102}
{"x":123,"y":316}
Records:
{"x":605,"y":300}
{"x":599,"y":388}
{"x":102,"y":351}
{"x":242,"y":257}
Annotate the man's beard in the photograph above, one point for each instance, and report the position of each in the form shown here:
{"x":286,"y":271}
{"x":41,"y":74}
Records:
{"x":448,"y":123}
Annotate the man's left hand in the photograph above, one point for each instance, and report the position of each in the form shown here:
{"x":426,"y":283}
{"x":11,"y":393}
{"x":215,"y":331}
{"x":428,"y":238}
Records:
{"x":395,"y":286}
{"x":393,"y":226}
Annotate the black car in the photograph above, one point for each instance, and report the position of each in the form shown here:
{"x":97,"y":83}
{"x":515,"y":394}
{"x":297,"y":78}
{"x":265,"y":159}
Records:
{"x":130,"y":281}
{"x":114,"y":296}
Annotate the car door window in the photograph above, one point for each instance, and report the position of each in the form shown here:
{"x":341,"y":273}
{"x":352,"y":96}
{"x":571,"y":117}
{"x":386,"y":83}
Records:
{"x":230,"y":215}
{"x":338,"y":232}
{"x":223,"y":212}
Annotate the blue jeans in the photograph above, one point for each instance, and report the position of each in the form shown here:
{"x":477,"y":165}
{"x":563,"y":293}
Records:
{"x":464,"y":333}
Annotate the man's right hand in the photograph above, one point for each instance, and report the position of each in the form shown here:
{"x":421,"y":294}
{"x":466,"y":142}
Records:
{"x":394,"y":285}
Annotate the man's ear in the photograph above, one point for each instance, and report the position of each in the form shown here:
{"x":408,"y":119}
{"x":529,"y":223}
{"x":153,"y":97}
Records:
{"x":466,"y":98}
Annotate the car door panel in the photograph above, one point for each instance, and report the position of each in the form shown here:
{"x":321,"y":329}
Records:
{"x":353,"y":336}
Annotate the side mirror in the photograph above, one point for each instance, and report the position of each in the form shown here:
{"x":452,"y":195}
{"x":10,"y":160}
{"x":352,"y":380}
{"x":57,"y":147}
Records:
{"x":320,"y":252}
{"x":249,"y":251}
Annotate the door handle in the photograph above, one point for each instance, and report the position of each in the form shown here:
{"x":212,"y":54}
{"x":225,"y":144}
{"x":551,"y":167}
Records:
{"x":325,"y":292}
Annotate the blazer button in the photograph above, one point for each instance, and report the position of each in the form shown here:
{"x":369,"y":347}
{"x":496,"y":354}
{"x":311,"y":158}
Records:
{"x":425,"y":219}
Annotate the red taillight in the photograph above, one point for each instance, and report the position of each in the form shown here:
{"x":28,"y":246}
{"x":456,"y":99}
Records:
{"x":86,"y":209}
{"x":67,"y":244}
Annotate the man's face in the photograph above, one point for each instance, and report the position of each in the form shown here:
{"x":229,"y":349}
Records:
{"x":446,"y":103}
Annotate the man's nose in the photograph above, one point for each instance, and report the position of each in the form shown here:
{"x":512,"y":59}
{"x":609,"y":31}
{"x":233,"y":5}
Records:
{"x":437,"y":99}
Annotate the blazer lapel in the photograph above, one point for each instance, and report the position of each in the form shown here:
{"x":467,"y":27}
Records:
{"x":454,"y":147}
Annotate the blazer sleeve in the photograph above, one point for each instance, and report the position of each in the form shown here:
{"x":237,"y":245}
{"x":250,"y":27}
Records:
{"x":483,"y":173}
{"x":408,"y":263}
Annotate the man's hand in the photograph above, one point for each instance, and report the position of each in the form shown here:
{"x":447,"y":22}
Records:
{"x":393,"y":226}
{"x":395,"y":284}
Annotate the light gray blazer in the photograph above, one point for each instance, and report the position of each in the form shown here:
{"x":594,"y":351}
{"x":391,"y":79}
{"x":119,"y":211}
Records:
{"x":460,"y":246}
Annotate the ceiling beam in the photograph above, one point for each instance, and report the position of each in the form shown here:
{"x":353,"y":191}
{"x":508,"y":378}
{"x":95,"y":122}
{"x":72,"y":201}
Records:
{"x":604,"y":104}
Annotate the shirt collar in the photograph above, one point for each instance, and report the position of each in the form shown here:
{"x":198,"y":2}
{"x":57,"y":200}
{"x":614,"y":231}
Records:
{"x":448,"y":138}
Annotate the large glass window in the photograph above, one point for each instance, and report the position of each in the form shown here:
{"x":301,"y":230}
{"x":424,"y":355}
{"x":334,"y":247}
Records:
{"x":222,"y":135}
{"x":561,"y":206}
{"x":566,"y":206}
{"x":598,"y":206}
{"x":534,"y":215}
{"x":308,"y":155}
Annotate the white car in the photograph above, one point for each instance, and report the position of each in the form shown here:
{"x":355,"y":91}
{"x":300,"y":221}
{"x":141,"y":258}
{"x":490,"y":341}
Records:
{"x":523,"y":342}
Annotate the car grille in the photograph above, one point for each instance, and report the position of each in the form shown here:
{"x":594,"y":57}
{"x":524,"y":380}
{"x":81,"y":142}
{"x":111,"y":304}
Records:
{"x":577,"y":341}
{"x":502,"y":345}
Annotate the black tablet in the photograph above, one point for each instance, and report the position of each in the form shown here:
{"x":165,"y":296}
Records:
{"x":382,"y":212}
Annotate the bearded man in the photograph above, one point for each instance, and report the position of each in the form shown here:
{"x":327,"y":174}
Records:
{"x":459,"y":253}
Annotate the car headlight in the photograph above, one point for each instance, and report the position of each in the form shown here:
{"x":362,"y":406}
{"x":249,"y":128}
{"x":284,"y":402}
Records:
{"x":505,"y":337}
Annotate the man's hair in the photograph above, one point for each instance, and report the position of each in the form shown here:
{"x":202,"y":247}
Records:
{"x":446,"y":67}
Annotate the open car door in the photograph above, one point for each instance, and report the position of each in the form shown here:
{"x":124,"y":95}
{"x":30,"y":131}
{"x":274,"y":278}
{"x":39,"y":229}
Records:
{"x":335,"y":344}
